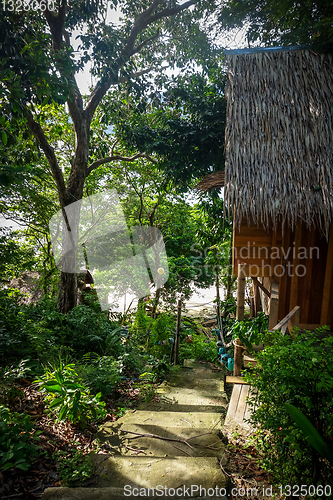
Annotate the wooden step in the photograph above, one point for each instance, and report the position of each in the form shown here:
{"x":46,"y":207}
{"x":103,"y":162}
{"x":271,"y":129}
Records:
{"x":230,"y":379}
{"x":249,"y":360}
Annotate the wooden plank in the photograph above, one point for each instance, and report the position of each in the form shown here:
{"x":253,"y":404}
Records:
{"x":274,"y":305}
{"x":238,"y":350}
{"x":240,"y":292}
{"x":261,"y":286}
{"x":247,"y":414}
{"x":249,"y":360}
{"x":309,"y":326}
{"x":255,"y":267}
{"x":307,"y":280}
{"x":286,"y":319}
{"x":294,"y":279}
{"x":257,"y":301}
{"x":284,"y":278}
{"x":325,"y":308}
{"x":234,"y":401}
{"x":248,"y":409}
{"x":274,"y":261}
{"x":290,"y":326}
{"x":240,"y":412}
{"x":230,"y":379}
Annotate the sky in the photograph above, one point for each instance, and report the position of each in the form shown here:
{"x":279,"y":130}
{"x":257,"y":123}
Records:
{"x":234,"y":40}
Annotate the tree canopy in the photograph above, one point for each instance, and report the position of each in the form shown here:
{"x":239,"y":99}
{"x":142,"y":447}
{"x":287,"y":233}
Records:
{"x":39,"y":67}
{"x":281,"y":22}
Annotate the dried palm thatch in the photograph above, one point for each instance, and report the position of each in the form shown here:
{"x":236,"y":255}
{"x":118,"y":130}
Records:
{"x":211,"y":181}
{"x":279,"y":138}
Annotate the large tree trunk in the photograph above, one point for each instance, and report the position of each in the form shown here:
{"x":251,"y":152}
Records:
{"x":67,"y":295}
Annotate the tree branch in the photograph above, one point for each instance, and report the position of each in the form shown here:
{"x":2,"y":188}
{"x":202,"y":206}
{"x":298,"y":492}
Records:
{"x":123,"y":79}
{"x":60,"y":35}
{"x":56,"y":24}
{"x":146,"y":42}
{"x":109,"y":159}
{"x":171,"y":12}
{"x":146,"y":18}
{"x":152,"y":214}
{"x":39,"y":135}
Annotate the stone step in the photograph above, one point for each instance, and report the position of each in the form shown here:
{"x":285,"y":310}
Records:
{"x":150,"y":472}
{"x":201,"y":442}
{"x":194,"y":419}
{"x":118,"y":494}
{"x":190,"y":403}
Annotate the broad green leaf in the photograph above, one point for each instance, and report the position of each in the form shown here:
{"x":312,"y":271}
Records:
{"x":321,"y":447}
{"x":53,"y":388}
{"x":7,"y":466}
{"x":60,"y":378}
{"x":4,"y":137}
{"x":56,"y":402}
{"x":63,"y":412}
{"x":23,"y":466}
{"x":312,"y":435}
{"x":303,"y":422}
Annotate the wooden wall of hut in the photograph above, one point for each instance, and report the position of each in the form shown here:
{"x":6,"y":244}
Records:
{"x":301,"y":260}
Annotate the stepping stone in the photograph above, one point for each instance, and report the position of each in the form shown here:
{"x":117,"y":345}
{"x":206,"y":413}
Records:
{"x":190,"y":409}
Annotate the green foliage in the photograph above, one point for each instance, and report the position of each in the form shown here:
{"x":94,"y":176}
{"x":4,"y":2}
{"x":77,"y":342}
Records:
{"x":69,"y":398}
{"x":157,"y":368}
{"x":201,"y":349}
{"x":40,"y":330}
{"x":282,"y":22}
{"x":13,"y":338}
{"x":184,"y":124}
{"x":140,"y":325}
{"x":73,"y":466}
{"x":24,"y":368}
{"x":17,"y":440}
{"x":15,"y":256}
{"x":120,"y":412}
{"x":162,"y":328}
{"x":101,"y":375}
{"x":250,"y":330}
{"x":312,"y":435}
{"x":296,"y":371}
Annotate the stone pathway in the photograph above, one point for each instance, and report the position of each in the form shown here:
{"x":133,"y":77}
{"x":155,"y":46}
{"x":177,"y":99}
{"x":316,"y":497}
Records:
{"x":189,"y":416}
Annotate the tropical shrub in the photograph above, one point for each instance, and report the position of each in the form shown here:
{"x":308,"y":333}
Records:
{"x":68,"y":398}
{"x":13,"y":337}
{"x":17,"y":440}
{"x":73,"y":466}
{"x":250,"y":330}
{"x":201,"y":349}
{"x":296,"y":371}
{"x":101,"y":375}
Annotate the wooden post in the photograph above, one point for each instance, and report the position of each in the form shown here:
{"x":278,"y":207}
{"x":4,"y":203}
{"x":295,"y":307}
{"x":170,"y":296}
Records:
{"x":238,"y":357}
{"x":257,"y":302}
{"x":241,"y":292}
{"x":326,"y":306}
{"x":179,"y":315}
{"x":294,"y":279}
{"x":238,"y":349}
{"x":274,"y":305}
{"x":219,"y":315}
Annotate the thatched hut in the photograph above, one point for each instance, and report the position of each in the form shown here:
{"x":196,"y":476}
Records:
{"x":279,"y":175}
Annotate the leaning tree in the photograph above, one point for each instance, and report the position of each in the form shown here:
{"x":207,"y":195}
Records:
{"x":39,"y":68}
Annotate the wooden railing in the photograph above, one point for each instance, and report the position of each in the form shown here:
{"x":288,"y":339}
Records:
{"x":286,"y":321}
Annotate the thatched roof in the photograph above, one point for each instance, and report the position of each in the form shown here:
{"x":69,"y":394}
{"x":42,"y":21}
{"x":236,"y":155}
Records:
{"x":211,"y":181}
{"x":279,"y":137}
